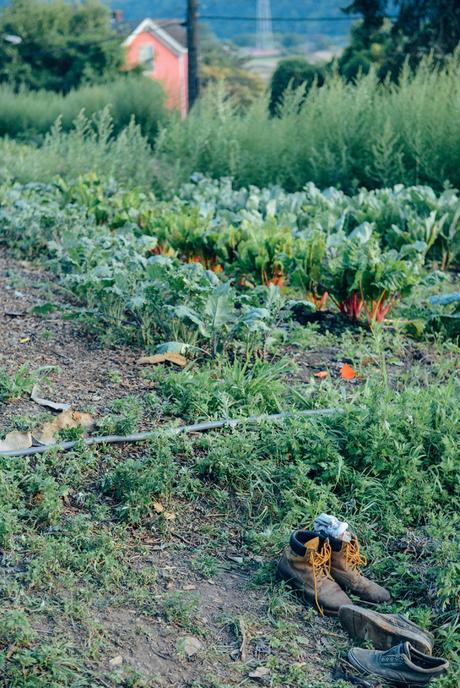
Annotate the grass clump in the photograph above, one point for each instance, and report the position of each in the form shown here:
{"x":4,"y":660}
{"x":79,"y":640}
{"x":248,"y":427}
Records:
{"x":14,"y":386}
{"x":90,"y":145}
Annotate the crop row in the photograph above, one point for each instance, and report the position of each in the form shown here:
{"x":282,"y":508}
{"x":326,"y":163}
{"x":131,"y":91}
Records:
{"x":203,"y":267}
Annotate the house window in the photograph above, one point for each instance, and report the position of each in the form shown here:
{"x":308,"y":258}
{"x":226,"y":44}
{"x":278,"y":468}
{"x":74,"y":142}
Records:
{"x":146,"y":57}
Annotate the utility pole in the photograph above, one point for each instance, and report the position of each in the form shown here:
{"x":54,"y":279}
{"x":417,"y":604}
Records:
{"x":192,"y":44}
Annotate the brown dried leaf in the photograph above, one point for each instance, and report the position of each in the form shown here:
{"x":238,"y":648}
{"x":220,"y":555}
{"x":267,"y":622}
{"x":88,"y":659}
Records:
{"x":16,"y":440}
{"x":178,"y":359}
{"x":169,"y":357}
{"x":152,"y":360}
{"x":158,"y":507}
{"x":67,"y":419}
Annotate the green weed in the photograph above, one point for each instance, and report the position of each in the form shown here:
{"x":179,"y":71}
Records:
{"x":14,"y":386}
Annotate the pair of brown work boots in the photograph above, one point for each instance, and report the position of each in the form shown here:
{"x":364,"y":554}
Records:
{"x":323,"y":568}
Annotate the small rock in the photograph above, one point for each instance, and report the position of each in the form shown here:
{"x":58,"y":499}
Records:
{"x":260,"y":673}
{"x":116,"y":661}
{"x":191,"y":645}
{"x":237,"y":560}
{"x":186,"y":588}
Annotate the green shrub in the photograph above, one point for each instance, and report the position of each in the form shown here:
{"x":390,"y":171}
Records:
{"x":342,"y":134}
{"x":292,"y":73}
{"x":90,"y":145}
{"x":31,"y":115}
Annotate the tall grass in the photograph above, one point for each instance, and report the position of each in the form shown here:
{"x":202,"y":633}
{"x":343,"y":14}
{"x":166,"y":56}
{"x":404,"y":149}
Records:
{"x":90,"y":146}
{"x":28,"y":114}
{"x":345,"y":135}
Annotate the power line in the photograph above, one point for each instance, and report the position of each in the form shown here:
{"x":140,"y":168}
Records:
{"x":177,"y":22}
{"x":222,"y":17}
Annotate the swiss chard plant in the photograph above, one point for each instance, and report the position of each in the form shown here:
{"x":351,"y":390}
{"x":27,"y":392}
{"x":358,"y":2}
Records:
{"x":362,"y":277}
{"x":306,"y":267}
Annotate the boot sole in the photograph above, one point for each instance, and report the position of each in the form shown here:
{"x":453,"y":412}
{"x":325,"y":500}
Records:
{"x":364,"y":624}
{"x":302,"y":594}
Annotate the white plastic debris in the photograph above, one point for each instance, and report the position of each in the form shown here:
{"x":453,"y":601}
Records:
{"x":328,"y":524}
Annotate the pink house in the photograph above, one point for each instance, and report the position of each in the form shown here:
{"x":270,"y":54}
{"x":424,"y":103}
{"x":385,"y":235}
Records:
{"x":160,"y":47}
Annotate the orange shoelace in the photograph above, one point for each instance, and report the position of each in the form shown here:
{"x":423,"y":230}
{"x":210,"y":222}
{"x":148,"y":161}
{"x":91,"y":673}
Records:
{"x":321,"y":565}
{"x":353,"y":556}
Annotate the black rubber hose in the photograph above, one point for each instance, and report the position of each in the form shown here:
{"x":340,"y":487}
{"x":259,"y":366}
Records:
{"x":181,"y":429}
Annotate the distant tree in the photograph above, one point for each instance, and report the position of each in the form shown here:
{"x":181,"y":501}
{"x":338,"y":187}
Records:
{"x":221,"y":62}
{"x":62,"y":44}
{"x":292,"y":73}
{"x":217,"y":53}
{"x":419,"y":27}
{"x":241,"y":85}
{"x":368,"y":47}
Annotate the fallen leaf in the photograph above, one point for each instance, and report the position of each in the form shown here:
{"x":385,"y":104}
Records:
{"x":152,"y":360}
{"x":347,"y":372}
{"x":322,"y":374}
{"x":67,"y":419}
{"x":38,"y":498}
{"x":55,"y":405}
{"x":24,"y":340}
{"x":168,"y":356}
{"x":170,"y":516}
{"x":16,"y":440}
{"x":260,"y":672}
{"x":158,"y":507}
{"x":178,"y":359}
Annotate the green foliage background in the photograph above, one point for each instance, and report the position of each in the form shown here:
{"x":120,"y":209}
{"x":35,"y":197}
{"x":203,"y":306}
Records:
{"x":63,"y":44}
{"x":29,"y":115}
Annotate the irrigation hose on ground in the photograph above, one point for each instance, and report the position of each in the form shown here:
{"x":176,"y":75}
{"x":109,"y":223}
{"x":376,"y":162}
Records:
{"x":179,"y":430}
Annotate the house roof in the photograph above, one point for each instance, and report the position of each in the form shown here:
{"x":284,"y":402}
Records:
{"x":169,"y":31}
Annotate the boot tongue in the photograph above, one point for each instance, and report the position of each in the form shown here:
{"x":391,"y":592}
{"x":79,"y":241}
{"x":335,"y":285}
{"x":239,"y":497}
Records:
{"x":405,"y":649}
{"x":312,"y":544}
{"x":400,"y":650}
{"x":397,"y":655}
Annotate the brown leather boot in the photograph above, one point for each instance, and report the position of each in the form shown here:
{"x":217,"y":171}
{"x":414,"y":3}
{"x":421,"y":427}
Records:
{"x":305,"y":565}
{"x":346,"y":560}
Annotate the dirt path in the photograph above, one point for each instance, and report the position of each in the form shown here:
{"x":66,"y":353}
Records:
{"x":85,"y":375}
